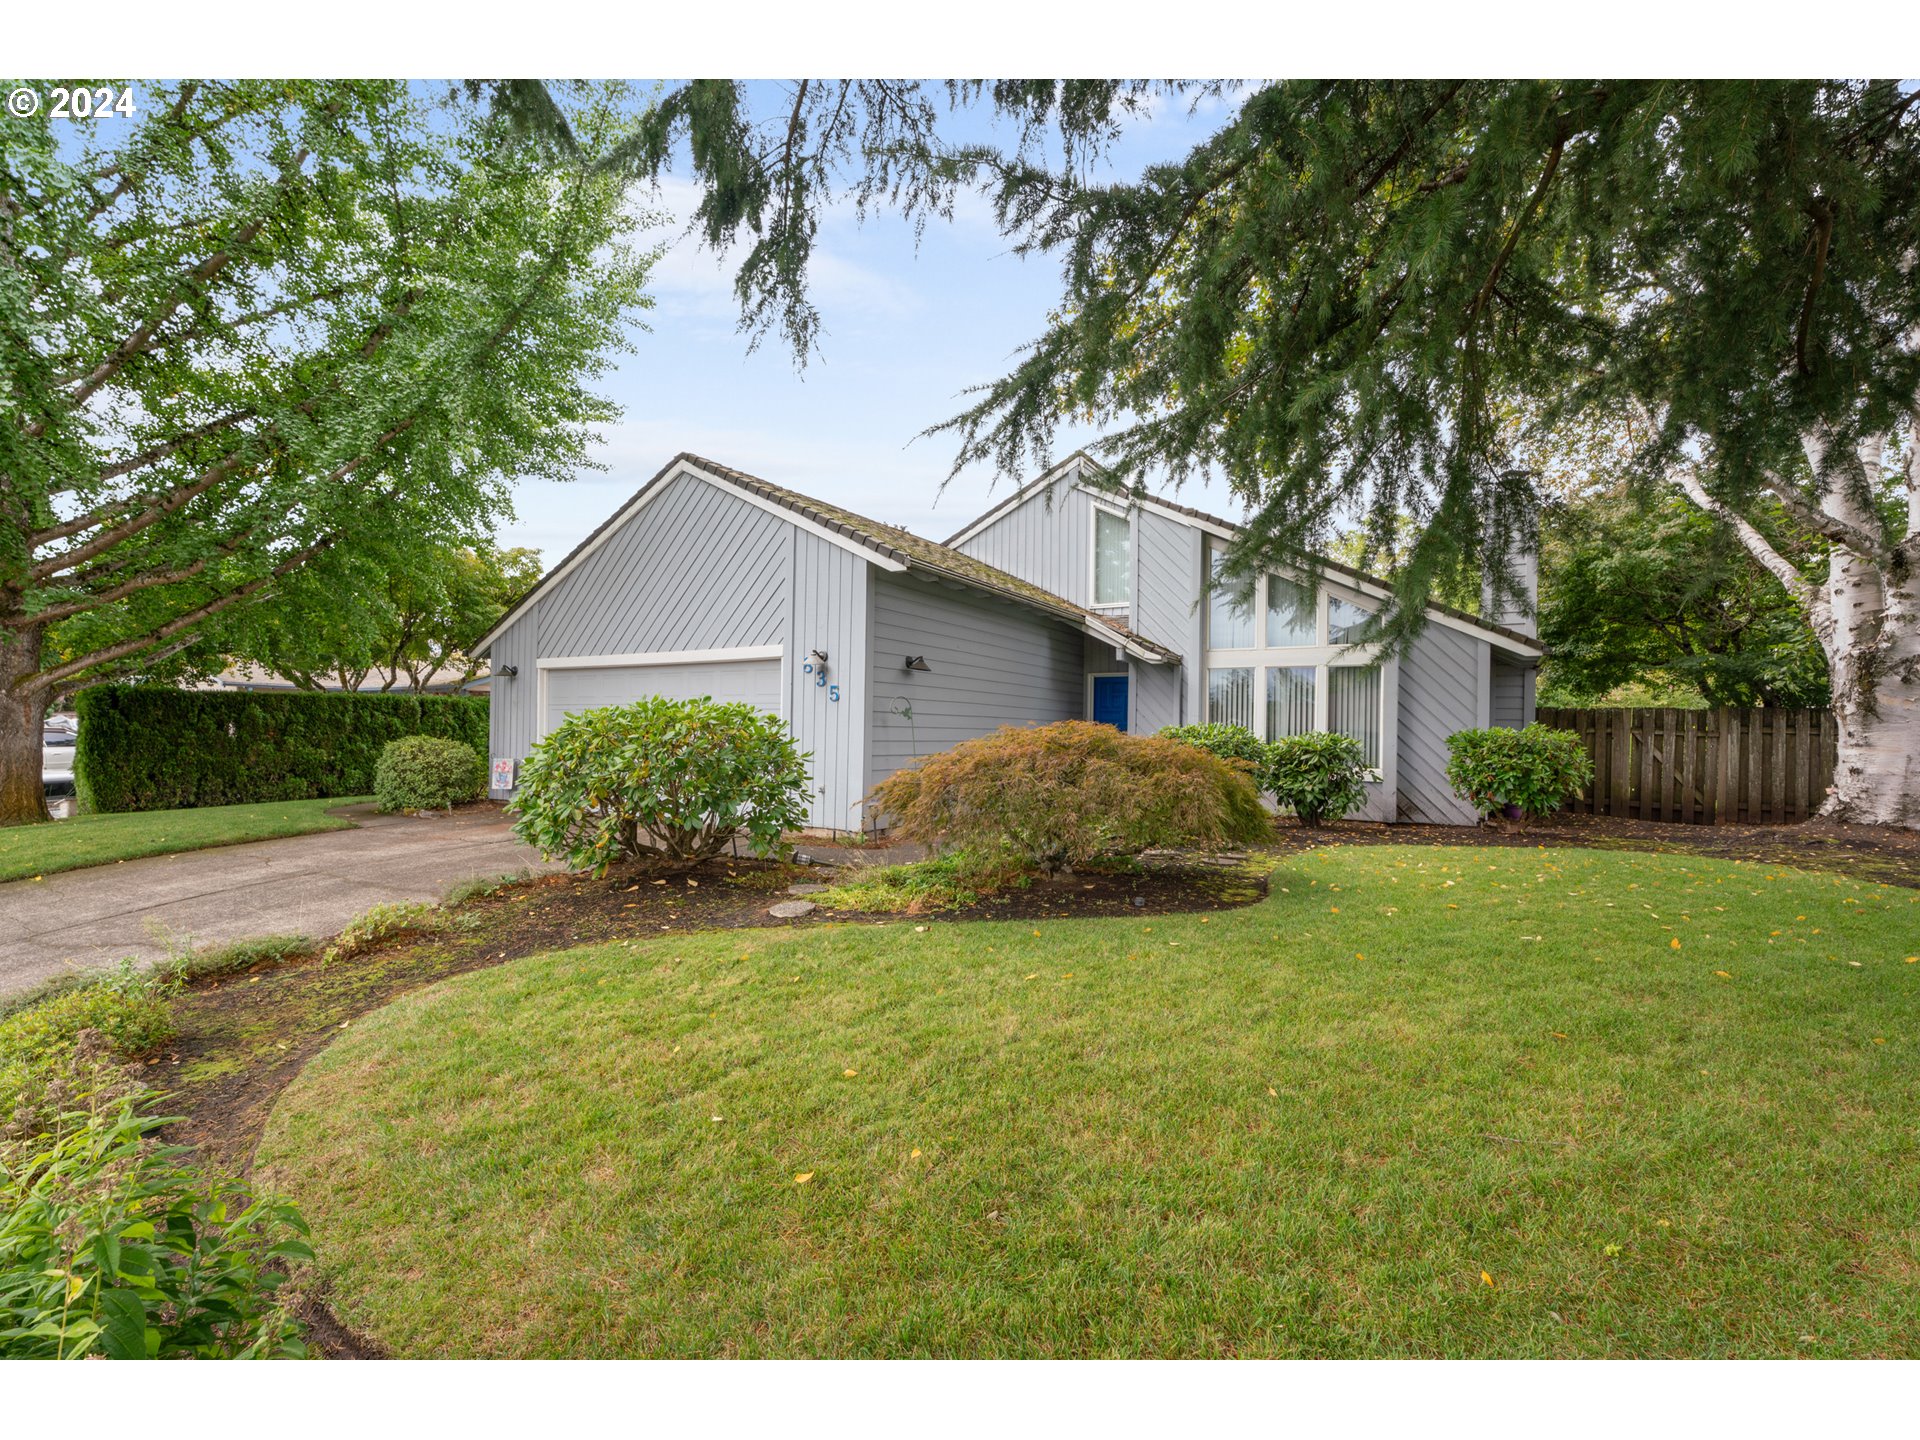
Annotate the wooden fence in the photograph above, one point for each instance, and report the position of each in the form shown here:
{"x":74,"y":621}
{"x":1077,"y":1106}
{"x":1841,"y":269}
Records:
{"x":1703,"y":767}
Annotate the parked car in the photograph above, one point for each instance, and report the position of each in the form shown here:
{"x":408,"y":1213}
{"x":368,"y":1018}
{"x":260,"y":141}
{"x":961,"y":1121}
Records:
{"x":58,"y":740}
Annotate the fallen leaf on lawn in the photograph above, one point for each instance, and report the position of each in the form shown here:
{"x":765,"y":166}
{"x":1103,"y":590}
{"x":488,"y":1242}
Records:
{"x":1034,"y":976}
{"x":1486,"y":1279}
{"x":1723,"y":975}
{"x":1272,"y":1091}
{"x":1675,"y":942}
{"x":1334,"y":908}
{"x":916,"y":1153}
{"x":803,"y":1177}
{"x":1913,"y":959}
{"x":849,"y":1073}
{"x":1879,"y":1039}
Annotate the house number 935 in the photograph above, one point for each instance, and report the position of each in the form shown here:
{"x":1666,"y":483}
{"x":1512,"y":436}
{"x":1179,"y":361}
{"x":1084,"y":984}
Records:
{"x":819,"y":673}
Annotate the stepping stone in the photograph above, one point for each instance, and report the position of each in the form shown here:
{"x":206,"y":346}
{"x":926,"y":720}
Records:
{"x":792,"y":909}
{"x":805,"y":889}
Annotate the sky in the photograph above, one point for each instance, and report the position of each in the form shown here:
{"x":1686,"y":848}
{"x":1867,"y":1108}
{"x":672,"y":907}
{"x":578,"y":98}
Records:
{"x":908,"y":328}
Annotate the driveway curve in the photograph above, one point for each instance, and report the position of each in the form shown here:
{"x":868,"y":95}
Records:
{"x":303,"y":885}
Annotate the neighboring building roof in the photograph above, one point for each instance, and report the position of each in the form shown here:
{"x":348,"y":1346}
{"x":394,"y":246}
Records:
{"x":1530,"y":643}
{"x":247,"y":676}
{"x":897,"y":548}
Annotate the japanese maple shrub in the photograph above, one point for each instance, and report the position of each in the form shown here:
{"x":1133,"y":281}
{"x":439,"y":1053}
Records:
{"x":1054,"y":796}
{"x":1535,"y":770}
{"x":1320,"y":776}
{"x":677,"y":780}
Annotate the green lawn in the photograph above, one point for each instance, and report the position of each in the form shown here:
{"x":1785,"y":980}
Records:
{"x":30,"y":850}
{"x":1418,"y":1102}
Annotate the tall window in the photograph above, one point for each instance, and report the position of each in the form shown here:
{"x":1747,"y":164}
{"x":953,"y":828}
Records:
{"x":1289,"y":701}
{"x":1112,"y":558}
{"x":1353,"y":707}
{"x":1230,"y":697}
{"x":1229,"y":622}
{"x":1344,"y":620}
{"x":1290,"y":617}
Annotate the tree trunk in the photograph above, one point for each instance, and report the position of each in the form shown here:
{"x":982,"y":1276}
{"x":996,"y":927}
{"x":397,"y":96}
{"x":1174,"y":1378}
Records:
{"x":23,"y":799}
{"x":1874,"y":658}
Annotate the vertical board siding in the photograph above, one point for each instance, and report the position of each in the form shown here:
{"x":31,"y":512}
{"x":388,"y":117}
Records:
{"x":828,"y":613}
{"x":1439,"y":694}
{"x":1046,"y":540}
{"x":1704,"y":767}
{"x":695,"y":569}
{"x":990,"y":663}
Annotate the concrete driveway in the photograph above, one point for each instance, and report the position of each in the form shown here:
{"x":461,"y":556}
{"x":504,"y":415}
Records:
{"x":305,"y":885}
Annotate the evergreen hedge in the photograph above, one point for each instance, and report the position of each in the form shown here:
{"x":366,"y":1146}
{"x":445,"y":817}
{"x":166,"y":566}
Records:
{"x":150,"y":748}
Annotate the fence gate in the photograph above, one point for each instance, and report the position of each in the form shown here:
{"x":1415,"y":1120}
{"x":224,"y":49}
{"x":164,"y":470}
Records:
{"x":1703,"y":767}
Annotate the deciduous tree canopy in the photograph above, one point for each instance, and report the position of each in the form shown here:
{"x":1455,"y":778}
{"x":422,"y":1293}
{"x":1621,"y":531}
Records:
{"x":273,"y":320}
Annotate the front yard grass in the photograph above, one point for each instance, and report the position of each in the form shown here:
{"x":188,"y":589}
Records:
{"x":1417,"y":1102}
{"x":30,"y":850}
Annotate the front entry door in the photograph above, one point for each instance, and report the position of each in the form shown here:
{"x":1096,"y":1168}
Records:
{"x":1110,"y":701}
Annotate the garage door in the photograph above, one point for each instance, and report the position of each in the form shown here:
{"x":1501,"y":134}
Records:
{"x":756,"y":682}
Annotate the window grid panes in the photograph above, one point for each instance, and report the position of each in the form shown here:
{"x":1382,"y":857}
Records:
{"x":1230,"y":697}
{"x":1344,"y":620}
{"x":1229,"y":624}
{"x":1290,"y":617}
{"x":1289,"y":701}
{"x":1353,"y":707}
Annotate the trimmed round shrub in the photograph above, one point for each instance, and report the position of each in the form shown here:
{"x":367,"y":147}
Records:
{"x":676,"y":780}
{"x":1229,"y":742}
{"x":1054,"y":796}
{"x":1535,"y":770}
{"x":423,"y":772}
{"x":1320,"y":776}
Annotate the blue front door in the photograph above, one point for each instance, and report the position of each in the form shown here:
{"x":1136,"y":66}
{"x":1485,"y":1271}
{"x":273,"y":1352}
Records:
{"x":1110,"y":701}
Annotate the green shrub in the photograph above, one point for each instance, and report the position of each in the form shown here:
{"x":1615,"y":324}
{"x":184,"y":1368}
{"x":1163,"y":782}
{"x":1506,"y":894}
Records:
{"x":482,"y":886}
{"x":424,"y":772}
{"x":945,"y":882}
{"x":1060,"y":795}
{"x":676,"y":779}
{"x":1229,"y":742}
{"x":110,"y":1247}
{"x":382,"y":923}
{"x":152,"y":748}
{"x":57,"y":1050}
{"x":235,"y":957}
{"x":1320,"y":776}
{"x":1535,"y":770}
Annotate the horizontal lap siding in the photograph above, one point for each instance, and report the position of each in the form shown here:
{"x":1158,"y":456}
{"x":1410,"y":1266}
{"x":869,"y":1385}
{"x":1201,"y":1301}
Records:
{"x":1512,"y":696}
{"x":990,"y":663}
{"x":1440,"y":677}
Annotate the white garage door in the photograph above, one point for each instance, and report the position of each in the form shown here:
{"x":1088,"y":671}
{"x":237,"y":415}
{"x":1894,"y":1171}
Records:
{"x":569,"y":691}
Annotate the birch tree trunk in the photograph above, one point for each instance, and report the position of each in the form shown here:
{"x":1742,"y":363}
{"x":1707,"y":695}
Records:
{"x":1866,"y":616}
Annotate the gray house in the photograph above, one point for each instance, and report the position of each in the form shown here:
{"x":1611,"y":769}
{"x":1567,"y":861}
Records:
{"x":1066,"y":601}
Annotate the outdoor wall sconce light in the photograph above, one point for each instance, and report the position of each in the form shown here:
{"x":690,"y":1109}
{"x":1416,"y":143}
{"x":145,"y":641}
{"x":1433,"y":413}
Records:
{"x":917,"y":662}
{"x":507,"y":672}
